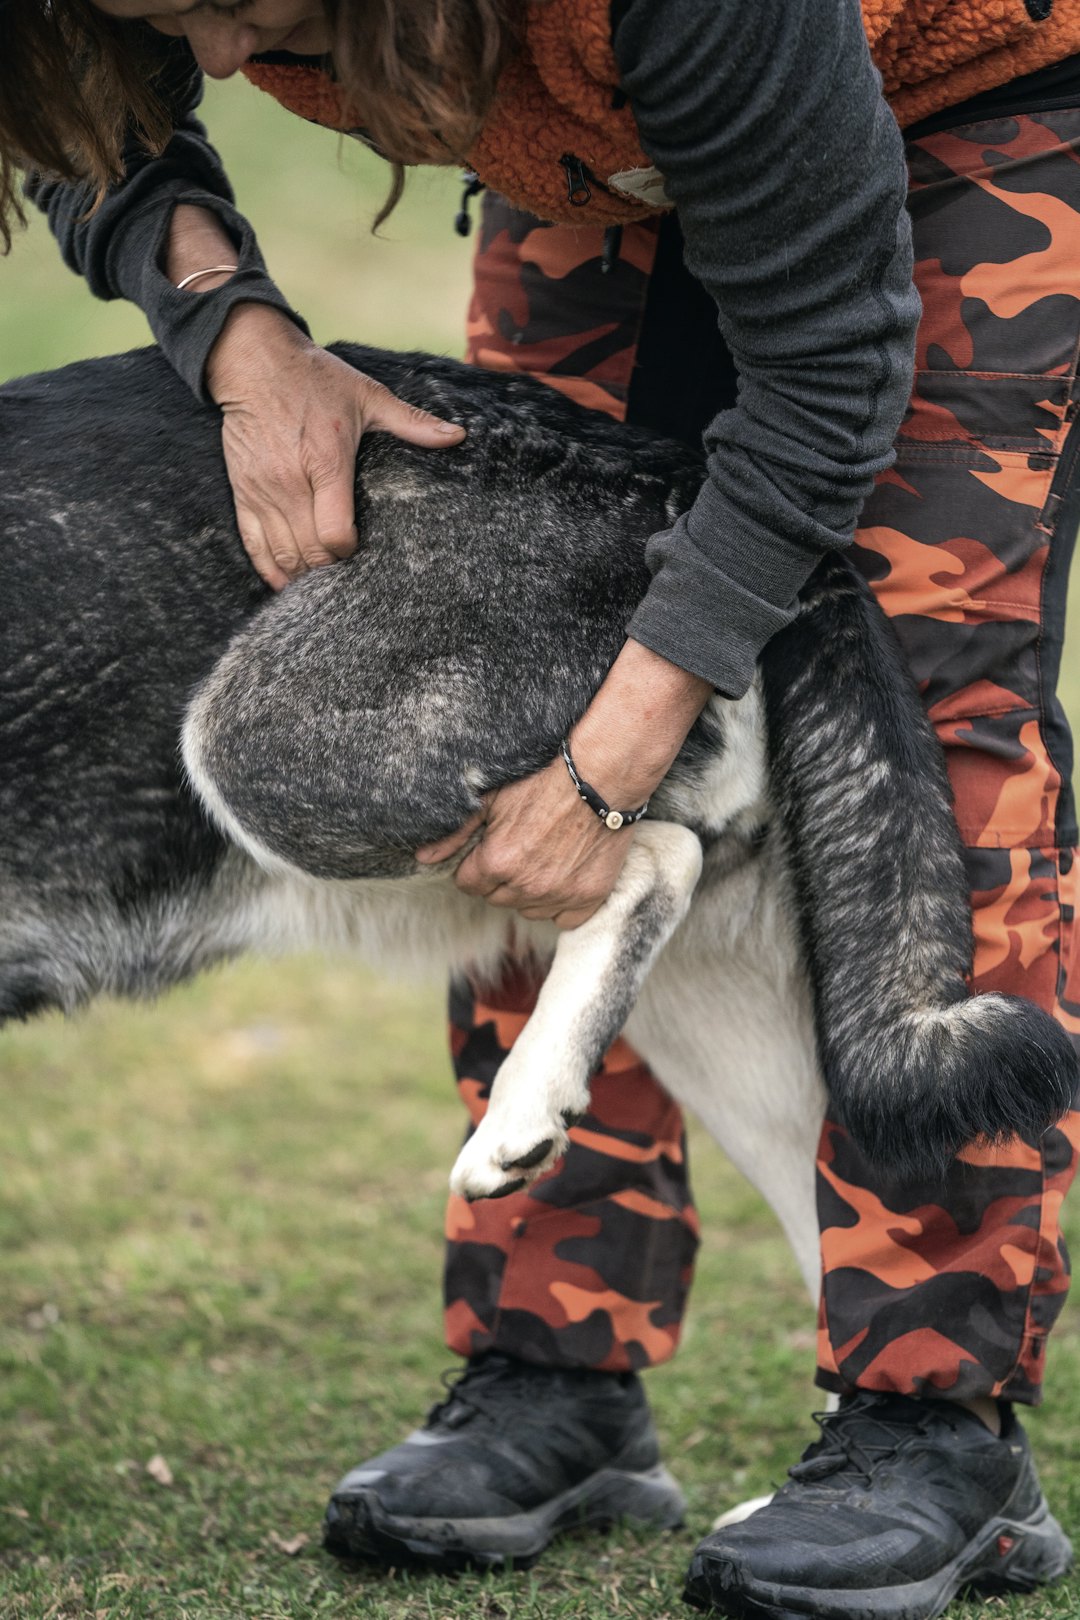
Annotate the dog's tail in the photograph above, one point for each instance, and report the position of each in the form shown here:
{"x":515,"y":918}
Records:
{"x":915,"y":1067}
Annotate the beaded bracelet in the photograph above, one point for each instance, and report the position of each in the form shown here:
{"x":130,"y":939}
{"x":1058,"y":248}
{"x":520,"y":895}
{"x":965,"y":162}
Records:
{"x":612,"y":819}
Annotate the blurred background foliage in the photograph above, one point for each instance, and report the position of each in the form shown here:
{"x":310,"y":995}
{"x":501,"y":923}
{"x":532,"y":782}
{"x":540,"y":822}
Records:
{"x":312,"y":197}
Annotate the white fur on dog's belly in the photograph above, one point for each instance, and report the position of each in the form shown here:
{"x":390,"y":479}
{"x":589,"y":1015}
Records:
{"x":724,"y":1018}
{"x":726,"y":1022}
{"x":415,"y":927}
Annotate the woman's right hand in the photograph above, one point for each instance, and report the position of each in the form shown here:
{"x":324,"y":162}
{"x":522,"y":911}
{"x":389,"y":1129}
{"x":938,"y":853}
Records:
{"x":293,"y":418}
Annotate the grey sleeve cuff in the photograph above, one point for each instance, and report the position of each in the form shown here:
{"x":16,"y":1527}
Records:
{"x":697,"y":618}
{"x":187,"y":324}
{"x":718,"y":592}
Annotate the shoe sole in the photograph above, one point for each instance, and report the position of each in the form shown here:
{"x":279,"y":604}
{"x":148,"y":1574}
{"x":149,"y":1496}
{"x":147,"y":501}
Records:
{"x":357,"y":1525}
{"x":1009,"y":1555}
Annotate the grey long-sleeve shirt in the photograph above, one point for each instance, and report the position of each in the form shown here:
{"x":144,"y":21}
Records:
{"x":787,"y":170}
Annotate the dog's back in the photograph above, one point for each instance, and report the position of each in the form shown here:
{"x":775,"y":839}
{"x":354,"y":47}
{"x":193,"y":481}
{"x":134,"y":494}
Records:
{"x":367,"y":709}
{"x":506,"y":568}
{"x":121,"y":582}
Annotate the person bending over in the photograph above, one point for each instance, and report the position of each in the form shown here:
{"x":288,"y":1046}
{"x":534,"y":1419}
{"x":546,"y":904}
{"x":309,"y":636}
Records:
{"x":695,"y":219}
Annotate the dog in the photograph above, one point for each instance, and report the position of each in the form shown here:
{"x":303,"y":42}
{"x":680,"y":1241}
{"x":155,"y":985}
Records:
{"x":191,"y":767}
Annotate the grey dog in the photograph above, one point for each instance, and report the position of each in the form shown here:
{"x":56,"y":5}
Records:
{"x":191,"y":767}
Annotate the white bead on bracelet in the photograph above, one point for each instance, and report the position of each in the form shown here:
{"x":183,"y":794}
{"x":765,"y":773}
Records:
{"x":211,"y":270}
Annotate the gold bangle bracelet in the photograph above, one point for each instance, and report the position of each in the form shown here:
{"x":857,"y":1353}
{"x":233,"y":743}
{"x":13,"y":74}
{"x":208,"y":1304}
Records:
{"x":211,"y":270}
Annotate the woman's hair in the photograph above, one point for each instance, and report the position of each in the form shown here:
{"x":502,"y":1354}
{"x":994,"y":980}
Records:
{"x":422,"y":73}
{"x":74,"y":81}
{"x":418,"y":69}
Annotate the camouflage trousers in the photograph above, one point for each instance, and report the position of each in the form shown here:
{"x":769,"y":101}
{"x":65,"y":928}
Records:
{"x":947,"y":1289}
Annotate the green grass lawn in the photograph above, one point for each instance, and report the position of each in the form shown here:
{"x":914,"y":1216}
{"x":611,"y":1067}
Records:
{"x":219,"y":1221}
{"x":220,"y":1216}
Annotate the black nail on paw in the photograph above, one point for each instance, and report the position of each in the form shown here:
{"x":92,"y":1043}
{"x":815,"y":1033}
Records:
{"x":534,"y":1156}
{"x":511,"y":1187}
{"x":570,"y":1118}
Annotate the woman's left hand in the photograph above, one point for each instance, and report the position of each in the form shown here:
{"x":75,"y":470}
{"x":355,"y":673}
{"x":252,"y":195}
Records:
{"x":542,"y":852}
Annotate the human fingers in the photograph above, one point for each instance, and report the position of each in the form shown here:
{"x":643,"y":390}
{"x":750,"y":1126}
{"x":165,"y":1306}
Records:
{"x":333,"y":511}
{"x":277,"y":493}
{"x":541,"y":912}
{"x":532,"y":897}
{"x":255,"y":543}
{"x":272,"y":491}
{"x":385,"y":411}
{"x":291,"y":421}
{"x":573,"y":918}
{"x":475,"y":876}
{"x":506,"y":895}
{"x":446,"y":848}
{"x":284,"y":544}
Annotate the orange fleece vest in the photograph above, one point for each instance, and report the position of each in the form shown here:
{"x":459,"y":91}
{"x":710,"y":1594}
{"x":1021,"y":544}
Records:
{"x":556,"y":143}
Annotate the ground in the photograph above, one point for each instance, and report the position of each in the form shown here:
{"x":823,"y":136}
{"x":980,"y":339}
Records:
{"x":220,"y":1219}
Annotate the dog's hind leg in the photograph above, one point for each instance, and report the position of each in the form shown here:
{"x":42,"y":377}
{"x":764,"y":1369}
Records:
{"x":595,"y":977}
{"x":726,"y":1023}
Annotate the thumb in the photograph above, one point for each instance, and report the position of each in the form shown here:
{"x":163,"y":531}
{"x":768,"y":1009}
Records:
{"x":384,"y":410}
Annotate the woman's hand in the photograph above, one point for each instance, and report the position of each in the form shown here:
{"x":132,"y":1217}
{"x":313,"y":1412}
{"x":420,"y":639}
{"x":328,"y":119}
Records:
{"x":542,"y":851}
{"x":293,"y":418}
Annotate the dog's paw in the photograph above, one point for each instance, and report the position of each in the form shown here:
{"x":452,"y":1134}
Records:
{"x":495,"y":1162}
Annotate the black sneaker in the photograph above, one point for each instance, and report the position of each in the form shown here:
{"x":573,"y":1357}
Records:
{"x":513,"y":1455}
{"x":899,"y":1505}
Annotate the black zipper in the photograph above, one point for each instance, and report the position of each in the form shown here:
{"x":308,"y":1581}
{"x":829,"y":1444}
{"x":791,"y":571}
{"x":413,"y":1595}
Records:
{"x":579,"y":184}
{"x":578,"y":190}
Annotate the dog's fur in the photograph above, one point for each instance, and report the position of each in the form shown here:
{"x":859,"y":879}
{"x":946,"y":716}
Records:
{"x":799,"y":866}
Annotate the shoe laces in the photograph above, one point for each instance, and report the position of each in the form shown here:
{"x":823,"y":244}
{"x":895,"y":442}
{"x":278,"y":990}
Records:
{"x":469,"y":1389}
{"x":857,"y":1438}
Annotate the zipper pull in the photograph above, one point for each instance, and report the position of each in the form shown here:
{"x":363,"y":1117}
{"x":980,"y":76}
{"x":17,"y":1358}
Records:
{"x":472,"y":186}
{"x":578,"y":192}
{"x":609,"y":257}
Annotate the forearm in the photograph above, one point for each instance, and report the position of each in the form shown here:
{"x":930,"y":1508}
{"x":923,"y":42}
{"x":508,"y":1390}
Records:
{"x":787,"y":168}
{"x":626,"y":741}
{"x":196,"y":241}
{"x":235,"y":340}
{"x":193,"y":234}
{"x":169,"y":210}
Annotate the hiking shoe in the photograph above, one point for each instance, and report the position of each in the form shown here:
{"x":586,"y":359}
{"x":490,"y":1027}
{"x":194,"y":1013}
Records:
{"x":899,"y":1505}
{"x":513,"y":1455}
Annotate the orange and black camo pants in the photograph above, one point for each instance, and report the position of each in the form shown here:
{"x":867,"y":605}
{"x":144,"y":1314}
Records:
{"x":946,"y":1289}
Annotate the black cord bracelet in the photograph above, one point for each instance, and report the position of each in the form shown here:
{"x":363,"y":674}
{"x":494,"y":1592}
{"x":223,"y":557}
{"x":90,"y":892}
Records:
{"x":614,"y":820}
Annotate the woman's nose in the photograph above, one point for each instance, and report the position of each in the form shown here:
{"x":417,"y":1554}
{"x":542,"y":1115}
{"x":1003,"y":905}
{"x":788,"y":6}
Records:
{"x":220,"y":46}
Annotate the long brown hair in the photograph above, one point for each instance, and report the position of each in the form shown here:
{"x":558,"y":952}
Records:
{"x":422,"y":73}
{"x":73,"y":82}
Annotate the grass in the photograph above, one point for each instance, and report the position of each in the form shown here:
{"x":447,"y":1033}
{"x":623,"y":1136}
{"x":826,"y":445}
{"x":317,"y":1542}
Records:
{"x":220,"y":1226}
{"x":220,"y":1216}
